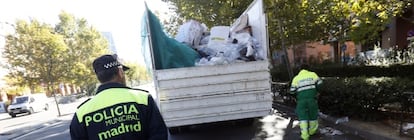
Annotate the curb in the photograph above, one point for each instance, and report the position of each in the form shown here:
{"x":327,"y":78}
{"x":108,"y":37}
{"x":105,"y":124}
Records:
{"x":344,"y":127}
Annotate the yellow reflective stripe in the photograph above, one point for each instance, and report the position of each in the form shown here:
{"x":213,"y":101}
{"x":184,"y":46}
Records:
{"x":303,"y":125}
{"x":319,"y":81}
{"x":313,"y":127}
{"x":293,"y":89}
{"x":110,"y":97}
{"x":298,"y":81}
{"x":304,"y":130}
{"x":306,"y":88}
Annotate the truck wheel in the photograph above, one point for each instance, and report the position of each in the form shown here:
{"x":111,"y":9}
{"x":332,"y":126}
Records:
{"x":31,"y":111}
{"x":46,"y":107}
{"x":175,"y":130}
{"x":245,"y":122}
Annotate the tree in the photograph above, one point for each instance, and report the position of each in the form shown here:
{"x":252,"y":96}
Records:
{"x":211,"y":13}
{"x":39,"y":53}
{"x":136,"y":75}
{"x":34,"y":54}
{"x":301,"y":21}
{"x":84,"y":43}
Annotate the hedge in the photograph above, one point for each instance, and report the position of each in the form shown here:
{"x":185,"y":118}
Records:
{"x":279,"y":73}
{"x":361,"y":97}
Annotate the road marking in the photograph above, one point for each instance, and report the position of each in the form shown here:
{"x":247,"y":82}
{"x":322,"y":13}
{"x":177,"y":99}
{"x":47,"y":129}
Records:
{"x":55,"y":134}
{"x":56,"y":122}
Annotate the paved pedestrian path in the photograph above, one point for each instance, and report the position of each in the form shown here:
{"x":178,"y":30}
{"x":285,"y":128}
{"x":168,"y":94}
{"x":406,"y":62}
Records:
{"x":365,"y":130}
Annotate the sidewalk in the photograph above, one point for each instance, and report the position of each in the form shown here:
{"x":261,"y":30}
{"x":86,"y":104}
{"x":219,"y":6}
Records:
{"x":367,"y":130}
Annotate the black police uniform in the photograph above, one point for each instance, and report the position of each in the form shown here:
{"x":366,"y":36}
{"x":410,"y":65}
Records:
{"x":118,"y":112}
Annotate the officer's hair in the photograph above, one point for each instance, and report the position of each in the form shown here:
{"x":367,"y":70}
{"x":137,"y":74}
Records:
{"x":107,"y":75}
{"x":304,"y":66}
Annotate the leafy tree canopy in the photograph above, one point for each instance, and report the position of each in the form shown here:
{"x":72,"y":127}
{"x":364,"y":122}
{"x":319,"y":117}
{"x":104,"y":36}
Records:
{"x":84,"y":44}
{"x":33,"y":53}
{"x":302,"y":20}
{"x":136,"y":75}
{"x":41,"y":54}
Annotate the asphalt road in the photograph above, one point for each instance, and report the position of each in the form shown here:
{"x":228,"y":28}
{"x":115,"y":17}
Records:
{"x":272,"y":127}
{"x":280,"y":125}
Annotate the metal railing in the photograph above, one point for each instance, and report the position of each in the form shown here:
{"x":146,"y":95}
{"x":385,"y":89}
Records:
{"x":407,"y":112}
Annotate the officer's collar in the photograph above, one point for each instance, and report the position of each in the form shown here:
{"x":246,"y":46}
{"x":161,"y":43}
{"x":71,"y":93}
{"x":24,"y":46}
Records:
{"x":110,"y":85}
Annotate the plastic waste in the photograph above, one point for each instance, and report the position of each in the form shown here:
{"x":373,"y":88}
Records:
{"x":408,"y":126}
{"x":322,"y":115}
{"x":219,"y":59}
{"x":250,"y":50}
{"x":190,"y":33}
{"x":260,"y":55}
{"x":202,"y":62}
{"x":219,"y":35}
{"x":206,"y":52}
{"x":342,"y":120}
{"x":330,"y":131}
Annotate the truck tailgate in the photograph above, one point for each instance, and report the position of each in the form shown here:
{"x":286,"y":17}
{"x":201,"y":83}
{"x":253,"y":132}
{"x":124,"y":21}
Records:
{"x":195,"y":95}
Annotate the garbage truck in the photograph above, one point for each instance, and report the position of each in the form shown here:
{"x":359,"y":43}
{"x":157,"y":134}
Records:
{"x":204,"y":94}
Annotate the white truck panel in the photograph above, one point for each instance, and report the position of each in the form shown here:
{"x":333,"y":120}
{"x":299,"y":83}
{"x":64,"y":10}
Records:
{"x":196,"y":95}
{"x":211,"y":70}
{"x":251,"y":71}
{"x":215,"y":118}
{"x":223,"y":88}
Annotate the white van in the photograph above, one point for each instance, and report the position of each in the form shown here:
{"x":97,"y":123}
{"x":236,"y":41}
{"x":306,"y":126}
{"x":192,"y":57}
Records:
{"x":2,"y":107}
{"x":28,"y":104}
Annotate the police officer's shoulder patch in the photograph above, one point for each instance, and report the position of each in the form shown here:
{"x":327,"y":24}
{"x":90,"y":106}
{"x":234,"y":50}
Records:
{"x":84,"y":102}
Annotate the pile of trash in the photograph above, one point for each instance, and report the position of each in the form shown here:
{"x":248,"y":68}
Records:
{"x":222,"y":44}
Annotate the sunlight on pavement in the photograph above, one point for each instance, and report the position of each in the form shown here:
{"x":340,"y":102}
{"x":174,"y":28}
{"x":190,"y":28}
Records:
{"x":274,"y":127}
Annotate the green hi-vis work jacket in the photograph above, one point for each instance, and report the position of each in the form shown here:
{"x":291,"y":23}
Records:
{"x":304,"y":84}
{"x":118,"y":112}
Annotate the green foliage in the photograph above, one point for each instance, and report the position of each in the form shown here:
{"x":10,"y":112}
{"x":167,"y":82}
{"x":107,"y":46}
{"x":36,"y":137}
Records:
{"x":84,"y":44}
{"x":280,"y":73}
{"x":369,"y":71}
{"x":309,"y":20}
{"x":211,"y":13}
{"x":361,"y":97}
{"x":34,"y":54}
{"x":305,"y":20}
{"x":39,"y":53}
{"x":136,"y":75}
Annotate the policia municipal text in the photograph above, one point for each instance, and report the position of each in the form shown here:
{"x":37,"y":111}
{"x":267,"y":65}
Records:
{"x":117,"y":111}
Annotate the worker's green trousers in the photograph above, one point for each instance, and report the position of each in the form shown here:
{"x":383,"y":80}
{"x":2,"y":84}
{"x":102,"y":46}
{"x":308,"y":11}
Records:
{"x":307,"y":110}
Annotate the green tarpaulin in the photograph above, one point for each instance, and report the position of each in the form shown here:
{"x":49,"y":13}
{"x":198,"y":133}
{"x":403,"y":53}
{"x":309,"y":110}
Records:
{"x":167,"y":52}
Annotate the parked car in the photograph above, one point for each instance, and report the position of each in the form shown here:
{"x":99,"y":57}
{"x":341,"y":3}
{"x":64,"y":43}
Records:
{"x":2,"y":107}
{"x":28,"y":104}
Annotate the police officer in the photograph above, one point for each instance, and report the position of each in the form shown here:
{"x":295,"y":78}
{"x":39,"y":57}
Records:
{"x":304,"y":86}
{"x":117,"y":111}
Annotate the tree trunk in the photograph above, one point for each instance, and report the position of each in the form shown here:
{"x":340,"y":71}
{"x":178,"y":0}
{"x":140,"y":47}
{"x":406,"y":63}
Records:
{"x":337,"y":56}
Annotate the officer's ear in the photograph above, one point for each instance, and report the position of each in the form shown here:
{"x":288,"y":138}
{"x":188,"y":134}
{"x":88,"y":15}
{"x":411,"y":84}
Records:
{"x":120,"y":72}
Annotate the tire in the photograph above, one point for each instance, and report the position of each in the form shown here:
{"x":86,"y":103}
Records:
{"x":246,"y":122}
{"x":46,"y":107}
{"x":174,"y":130}
{"x":13,"y":115}
{"x":31,"y":111}
{"x":243,"y":122}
